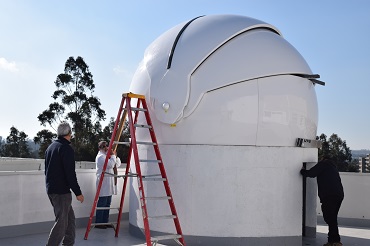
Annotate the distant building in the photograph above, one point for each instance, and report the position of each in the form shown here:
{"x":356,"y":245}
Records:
{"x":367,"y":163}
{"x":364,"y":163}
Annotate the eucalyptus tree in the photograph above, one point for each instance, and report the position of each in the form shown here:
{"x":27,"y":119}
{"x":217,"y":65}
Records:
{"x":338,"y":150}
{"x":16,"y":144}
{"x":122,"y":150}
{"x":2,"y":142}
{"x":73,"y":101}
{"x":44,"y":138}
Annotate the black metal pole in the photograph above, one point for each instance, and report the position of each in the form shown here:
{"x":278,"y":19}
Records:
{"x":304,"y":202}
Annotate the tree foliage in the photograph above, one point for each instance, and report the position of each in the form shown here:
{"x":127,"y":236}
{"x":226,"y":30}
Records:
{"x":74,"y":102}
{"x":122,"y":150}
{"x":2,"y":142}
{"x":16,"y":144}
{"x":44,"y":138}
{"x":339,"y":152}
{"x":353,"y":166}
{"x":92,"y":136}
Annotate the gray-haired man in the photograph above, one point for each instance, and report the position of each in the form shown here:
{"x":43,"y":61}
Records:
{"x":60,"y":177}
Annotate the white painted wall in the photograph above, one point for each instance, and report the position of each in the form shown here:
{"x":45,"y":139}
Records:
{"x":23,"y":197}
{"x":29,"y":164}
{"x":356,"y":203}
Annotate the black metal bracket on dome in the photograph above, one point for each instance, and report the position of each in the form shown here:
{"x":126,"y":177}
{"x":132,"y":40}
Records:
{"x":312,"y":77}
{"x":308,"y":143}
{"x":177,"y":40}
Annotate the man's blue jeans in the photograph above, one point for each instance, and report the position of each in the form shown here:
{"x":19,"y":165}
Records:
{"x":64,"y":227}
{"x":102,"y":216}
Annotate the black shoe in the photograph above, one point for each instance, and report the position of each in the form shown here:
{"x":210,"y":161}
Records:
{"x":101,"y":226}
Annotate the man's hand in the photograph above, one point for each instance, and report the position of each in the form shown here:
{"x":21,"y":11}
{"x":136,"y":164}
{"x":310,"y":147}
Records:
{"x":80,"y":198}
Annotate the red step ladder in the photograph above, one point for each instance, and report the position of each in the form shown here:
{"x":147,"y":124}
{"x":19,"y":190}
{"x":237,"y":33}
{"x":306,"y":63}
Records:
{"x":132,"y":113}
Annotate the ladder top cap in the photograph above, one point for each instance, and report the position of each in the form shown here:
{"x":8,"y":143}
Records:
{"x":133,"y":95}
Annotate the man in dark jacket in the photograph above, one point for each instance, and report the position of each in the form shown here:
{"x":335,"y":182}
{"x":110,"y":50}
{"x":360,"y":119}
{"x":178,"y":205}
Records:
{"x":331,"y":195}
{"x":60,"y":177}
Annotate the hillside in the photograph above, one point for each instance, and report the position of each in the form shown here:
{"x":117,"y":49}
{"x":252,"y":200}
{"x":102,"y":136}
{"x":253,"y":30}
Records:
{"x":360,"y":153}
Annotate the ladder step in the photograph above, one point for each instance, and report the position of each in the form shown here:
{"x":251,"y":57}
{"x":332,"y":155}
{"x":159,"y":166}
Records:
{"x":109,"y":223}
{"x":153,"y":179}
{"x":105,"y":208}
{"x":152,"y":175}
{"x":142,"y":126}
{"x":146,"y":143}
{"x":145,"y":160}
{"x":158,"y":198}
{"x":137,"y":142}
{"x":138,"y":109}
{"x":165,"y":237}
{"x":123,"y":143}
{"x":161,"y":217}
{"x":149,"y":176}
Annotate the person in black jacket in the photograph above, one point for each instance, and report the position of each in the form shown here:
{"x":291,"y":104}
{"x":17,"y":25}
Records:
{"x":331,"y":195}
{"x":60,"y":178}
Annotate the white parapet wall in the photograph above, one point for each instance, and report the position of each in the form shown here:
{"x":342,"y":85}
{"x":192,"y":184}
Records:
{"x":355,"y":209}
{"x":24,"y":203}
{"x":29,"y":164}
{"x":26,"y":209}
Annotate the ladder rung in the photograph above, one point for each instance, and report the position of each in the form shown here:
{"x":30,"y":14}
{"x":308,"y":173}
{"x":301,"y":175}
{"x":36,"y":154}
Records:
{"x":158,"y":198}
{"x":138,"y":109}
{"x":153,"y":179}
{"x":145,"y":160}
{"x":143,"y":126}
{"x":137,"y":142}
{"x":123,"y":143}
{"x":109,"y":223}
{"x":146,"y":143}
{"x":166,"y":237}
{"x":162,"y":217}
{"x":105,"y":208}
{"x":152,"y":175}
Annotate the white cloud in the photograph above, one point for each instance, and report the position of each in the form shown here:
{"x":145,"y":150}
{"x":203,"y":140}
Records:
{"x":6,"y":65}
{"x":122,"y":72}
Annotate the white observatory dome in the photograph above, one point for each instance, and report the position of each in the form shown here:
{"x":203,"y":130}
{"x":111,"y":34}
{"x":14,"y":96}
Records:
{"x":228,"y":97}
{"x":227,"y":79}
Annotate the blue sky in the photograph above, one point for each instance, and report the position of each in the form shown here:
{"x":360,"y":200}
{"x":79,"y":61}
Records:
{"x":37,"y":37}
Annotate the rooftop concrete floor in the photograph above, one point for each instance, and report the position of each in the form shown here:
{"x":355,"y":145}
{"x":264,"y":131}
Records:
{"x":350,"y":237}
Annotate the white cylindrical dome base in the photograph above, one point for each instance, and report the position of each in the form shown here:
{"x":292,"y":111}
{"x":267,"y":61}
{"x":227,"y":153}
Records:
{"x":233,"y":195}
